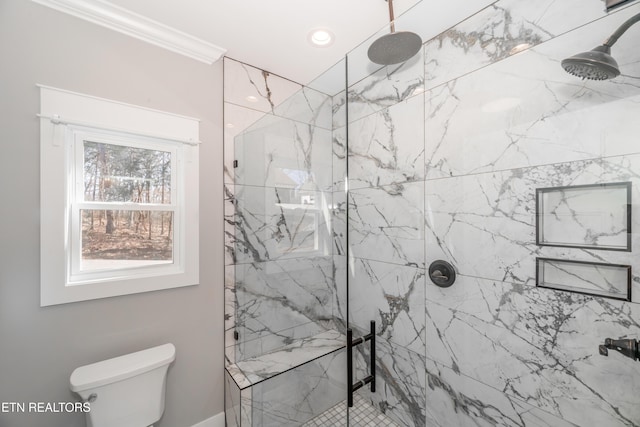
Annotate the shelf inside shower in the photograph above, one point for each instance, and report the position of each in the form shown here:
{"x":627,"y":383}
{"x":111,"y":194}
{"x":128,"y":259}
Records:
{"x":254,"y":370}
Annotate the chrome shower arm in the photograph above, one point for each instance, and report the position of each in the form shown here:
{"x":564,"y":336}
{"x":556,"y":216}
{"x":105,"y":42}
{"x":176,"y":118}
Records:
{"x":620,"y":31}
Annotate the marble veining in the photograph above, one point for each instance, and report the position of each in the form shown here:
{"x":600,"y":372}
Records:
{"x":387,"y":147}
{"x":284,"y":400}
{"x":278,"y":152}
{"x":257,"y":369}
{"x":393,"y":296}
{"x":400,"y":382}
{"x":384,"y":88}
{"x":593,"y":216}
{"x":496,"y":118}
{"x":232,"y":408}
{"x":280,"y":223}
{"x":502,"y":29}
{"x":387,"y":223}
{"x":254,"y":88}
{"x":454,"y":399}
{"x":277,"y":298}
{"x":497,"y":210}
{"x":308,"y":106}
{"x":546,"y":343}
{"x":596,"y":279}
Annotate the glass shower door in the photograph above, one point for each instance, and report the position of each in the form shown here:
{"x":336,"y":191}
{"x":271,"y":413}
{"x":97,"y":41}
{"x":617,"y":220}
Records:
{"x":385,"y":268}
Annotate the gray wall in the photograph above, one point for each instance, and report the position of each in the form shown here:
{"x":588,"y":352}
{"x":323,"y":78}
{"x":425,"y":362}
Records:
{"x":40,"y":347}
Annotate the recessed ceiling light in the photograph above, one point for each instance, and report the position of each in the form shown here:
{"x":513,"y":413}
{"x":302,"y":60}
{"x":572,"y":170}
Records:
{"x":320,"y":37}
{"x":251,"y":98}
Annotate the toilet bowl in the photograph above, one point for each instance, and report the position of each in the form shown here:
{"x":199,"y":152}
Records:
{"x":126,"y":391}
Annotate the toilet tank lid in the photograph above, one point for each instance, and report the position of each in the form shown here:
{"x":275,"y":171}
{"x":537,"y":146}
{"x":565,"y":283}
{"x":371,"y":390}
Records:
{"x":122,"y":367}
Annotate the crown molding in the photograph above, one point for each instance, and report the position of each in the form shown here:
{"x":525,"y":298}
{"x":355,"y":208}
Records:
{"x":140,"y":27}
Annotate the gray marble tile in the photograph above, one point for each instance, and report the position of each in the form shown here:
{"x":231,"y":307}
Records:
{"x":281,"y":223}
{"x":230,"y":225}
{"x":307,"y":106}
{"x":393,"y":296}
{"x":526,"y":111}
{"x":339,"y":223}
{"x":339,"y":109}
{"x":608,"y":280}
{"x":254,"y":88}
{"x":400,"y":382}
{"x":484,"y":224}
{"x":539,"y":346}
{"x":454,"y":399}
{"x":385,"y":87}
{"x":339,"y":139}
{"x":252,"y":371}
{"x":499,"y":31}
{"x":232,"y":406}
{"x":246,"y":407}
{"x":278,"y":152}
{"x":387,"y":224}
{"x":594,"y":215}
{"x":340,"y":295}
{"x":286,"y":401}
{"x":258,"y":342}
{"x":387,"y":147}
{"x":275,"y":297}
{"x":230,"y":304}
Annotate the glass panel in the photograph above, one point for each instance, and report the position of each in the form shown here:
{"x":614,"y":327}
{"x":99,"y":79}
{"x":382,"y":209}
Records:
{"x":125,"y":238}
{"x":385,"y":214}
{"x":118,"y":173}
{"x":285,"y":269}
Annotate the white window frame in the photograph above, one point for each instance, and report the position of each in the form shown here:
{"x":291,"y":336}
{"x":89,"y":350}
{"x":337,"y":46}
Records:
{"x":67,"y":119}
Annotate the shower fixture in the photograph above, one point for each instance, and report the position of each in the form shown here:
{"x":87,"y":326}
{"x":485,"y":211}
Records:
{"x":395,"y":47}
{"x":598,"y":64}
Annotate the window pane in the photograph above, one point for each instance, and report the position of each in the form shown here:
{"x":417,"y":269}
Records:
{"x":125,"y":238}
{"x":116,"y":173}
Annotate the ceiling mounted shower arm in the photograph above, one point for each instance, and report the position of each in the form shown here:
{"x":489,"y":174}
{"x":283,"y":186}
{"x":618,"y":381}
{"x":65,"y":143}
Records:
{"x":392,"y":18}
{"x":620,"y":31}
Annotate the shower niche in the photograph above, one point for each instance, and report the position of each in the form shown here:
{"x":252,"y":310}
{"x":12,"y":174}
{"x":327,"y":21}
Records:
{"x":594,"y":217}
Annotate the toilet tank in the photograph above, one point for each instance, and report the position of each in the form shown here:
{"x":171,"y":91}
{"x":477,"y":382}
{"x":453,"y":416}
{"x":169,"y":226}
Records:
{"x":129,"y":390}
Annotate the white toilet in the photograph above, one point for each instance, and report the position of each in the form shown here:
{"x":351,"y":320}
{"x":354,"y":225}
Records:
{"x":126,"y":391}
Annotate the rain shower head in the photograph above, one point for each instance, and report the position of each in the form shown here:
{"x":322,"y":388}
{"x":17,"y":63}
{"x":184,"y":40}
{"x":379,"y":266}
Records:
{"x":395,"y":47}
{"x":598,"y":64}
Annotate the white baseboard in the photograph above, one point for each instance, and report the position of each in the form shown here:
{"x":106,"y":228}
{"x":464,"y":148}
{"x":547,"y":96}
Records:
{"x":215,"y":421}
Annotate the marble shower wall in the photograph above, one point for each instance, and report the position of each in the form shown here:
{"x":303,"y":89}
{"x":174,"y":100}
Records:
{"x":278,"y":212}
{"x":386,"y":269}
{"x":490,"y":114}
{"x":500,"y":123}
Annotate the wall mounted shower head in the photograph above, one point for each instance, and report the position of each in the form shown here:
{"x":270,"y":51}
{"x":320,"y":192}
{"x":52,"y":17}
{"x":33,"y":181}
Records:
{"x":598,"y":64}
{"x":395,"y":47}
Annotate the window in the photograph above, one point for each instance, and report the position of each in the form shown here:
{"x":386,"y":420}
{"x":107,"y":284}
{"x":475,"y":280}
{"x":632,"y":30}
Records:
{"x":119,"y":198}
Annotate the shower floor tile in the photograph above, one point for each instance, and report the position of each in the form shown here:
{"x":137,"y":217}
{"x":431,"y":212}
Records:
{"x":363,"y":414}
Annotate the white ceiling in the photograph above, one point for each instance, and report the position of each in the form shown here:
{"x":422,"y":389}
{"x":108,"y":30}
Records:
{"x":272,"y":34}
